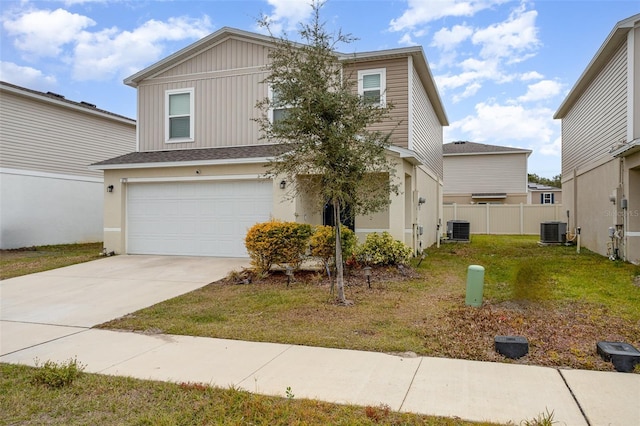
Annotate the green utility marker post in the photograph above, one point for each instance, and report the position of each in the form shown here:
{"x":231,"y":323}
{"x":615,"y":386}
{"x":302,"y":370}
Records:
{"x":475,"y":286}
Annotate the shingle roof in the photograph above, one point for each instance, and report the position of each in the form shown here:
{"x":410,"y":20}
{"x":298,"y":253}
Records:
{"x":465,"y":147}
{"x":55,"y":97}
{"x":195,"y":155}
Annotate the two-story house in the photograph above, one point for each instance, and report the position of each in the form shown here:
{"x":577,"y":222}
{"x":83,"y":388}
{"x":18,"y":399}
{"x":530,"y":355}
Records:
{"x":196,"y":181}
{"x":477,"y":173}
{"x":48,"y":195}
{"x":601,"y":146}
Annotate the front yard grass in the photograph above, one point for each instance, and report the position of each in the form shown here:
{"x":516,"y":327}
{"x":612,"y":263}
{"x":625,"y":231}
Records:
{"x":561,"y":301}
{"x":14,"y":263}
{"x":106,"y":400}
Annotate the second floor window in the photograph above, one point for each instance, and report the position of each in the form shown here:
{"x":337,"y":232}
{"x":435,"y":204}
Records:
{"x":372,"y":85}
{"x":278,"y":109}
{"x":179,"y":120}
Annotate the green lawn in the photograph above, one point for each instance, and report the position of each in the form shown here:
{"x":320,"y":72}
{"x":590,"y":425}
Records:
{"x":563,"y":302}
{"x":14,"y":263}
{"x":105,"y":400}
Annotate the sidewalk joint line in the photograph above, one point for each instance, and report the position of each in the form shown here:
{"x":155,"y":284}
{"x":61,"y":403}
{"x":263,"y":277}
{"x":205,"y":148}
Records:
{"x":266,"y":363}
{"x":48,"y":341}
{"x":586,"y":419}
{"x":415,"y":373}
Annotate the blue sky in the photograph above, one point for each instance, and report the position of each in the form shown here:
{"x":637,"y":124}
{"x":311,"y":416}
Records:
{"x":502,"y":67}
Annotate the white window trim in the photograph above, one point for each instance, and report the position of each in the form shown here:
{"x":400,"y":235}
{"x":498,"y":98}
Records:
{"x":544,"y":198}
{"x":383,"y":83}
{"x":192,"y":120}
{"x":271,"y":108}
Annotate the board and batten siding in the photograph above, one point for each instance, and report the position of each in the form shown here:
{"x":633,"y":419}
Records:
{"x":397,"y":93}
{"x":42,"y":136}
{"x":224,"y":109}
{"x":229,"y":54}
{"x":599,"y":118}
{"x":427,"y":131}
{"x":486,"y":173}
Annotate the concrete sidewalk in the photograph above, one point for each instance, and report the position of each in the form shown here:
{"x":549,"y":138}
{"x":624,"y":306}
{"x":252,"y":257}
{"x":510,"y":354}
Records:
{"x":49,"y":316}
{"x":435,"y":386}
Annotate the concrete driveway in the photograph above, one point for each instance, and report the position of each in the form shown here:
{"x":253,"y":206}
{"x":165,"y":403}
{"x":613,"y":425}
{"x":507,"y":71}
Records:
{"x":81,"y":296}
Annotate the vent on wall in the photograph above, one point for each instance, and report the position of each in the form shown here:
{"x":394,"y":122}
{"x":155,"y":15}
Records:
{"x":458,"y":230}
{"x":553,"y":232}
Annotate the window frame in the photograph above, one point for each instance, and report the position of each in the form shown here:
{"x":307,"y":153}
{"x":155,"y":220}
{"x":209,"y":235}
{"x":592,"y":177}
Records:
{"x":167,"y":116}
{"x":271,"y":107}
{"x":547,"y":198}
{"x":383,"y":83}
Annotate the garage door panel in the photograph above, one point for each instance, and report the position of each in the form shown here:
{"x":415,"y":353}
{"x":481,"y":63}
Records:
{"x":195,"y":218}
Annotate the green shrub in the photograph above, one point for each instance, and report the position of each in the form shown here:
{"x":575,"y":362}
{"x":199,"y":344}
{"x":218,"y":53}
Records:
{"x":276,"y":243}
{"x":56,"y":375}
{"x":323,"y":243}
{"x":531,"y":283}
{"x":382,"y":249}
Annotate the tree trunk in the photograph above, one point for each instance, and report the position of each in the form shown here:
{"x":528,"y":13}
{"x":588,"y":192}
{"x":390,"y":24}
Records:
{"x":339,"y":265}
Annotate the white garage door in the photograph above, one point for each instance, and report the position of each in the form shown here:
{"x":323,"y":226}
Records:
{"x":195,"y":218}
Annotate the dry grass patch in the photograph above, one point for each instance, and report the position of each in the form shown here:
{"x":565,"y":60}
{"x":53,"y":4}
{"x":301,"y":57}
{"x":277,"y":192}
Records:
{"x":562,"y":302}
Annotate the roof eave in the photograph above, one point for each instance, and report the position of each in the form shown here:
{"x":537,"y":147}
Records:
{"x":602,"y":56}
{"x":162,"y":164}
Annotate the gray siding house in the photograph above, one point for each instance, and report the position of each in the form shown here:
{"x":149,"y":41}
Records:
{"x":197,"y":190}
{"x":48,"y":195}
{"x":601,"y":146}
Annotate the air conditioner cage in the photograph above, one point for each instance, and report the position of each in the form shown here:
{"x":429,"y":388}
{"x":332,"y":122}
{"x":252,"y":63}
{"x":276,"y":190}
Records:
{"x":553,"y":232}
{"x":458,"y":230}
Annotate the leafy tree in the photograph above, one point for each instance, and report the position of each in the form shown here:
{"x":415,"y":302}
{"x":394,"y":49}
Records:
{"x":555,"y":181}
{"x":331,"y":156}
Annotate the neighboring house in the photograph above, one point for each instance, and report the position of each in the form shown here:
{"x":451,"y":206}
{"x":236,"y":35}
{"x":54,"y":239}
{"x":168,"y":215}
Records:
{"x":47,"y":193}
{"x":601,"y":146}
{"x":197,"y":182}
{"x":476,"y":173}
{"x":543,"y":194}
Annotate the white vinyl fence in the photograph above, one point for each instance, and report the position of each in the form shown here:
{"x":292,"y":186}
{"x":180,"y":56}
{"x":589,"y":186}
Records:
{"x":504,"y":218}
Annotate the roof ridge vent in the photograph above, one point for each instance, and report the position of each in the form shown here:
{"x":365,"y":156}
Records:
{"x":57,"y":95}
{"x":88,"y":104}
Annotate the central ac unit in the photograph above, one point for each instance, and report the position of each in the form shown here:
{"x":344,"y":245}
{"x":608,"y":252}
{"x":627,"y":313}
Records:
{"x":553,"y":232}
{"x":458,"y":230}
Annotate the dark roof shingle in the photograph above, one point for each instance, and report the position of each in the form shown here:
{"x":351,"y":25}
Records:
{"x":188,"y":155}
{"x":464,"y":147}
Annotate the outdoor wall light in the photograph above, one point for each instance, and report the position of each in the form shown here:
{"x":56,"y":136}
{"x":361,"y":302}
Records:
{"x":367,"y":273}
{"x":421,"y":200}
{"x":110,"y":188}
{"x":283,"y":184}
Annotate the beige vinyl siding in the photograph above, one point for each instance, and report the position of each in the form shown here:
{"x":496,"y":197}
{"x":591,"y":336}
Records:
{"x":427,"y":130}
{"x":397,"y":93}
{"x":502,"y":173}
{"x":223,"y":111}
{"x":599,"y":118}
{"x":45,"y":137}
{"x":230,"y":54}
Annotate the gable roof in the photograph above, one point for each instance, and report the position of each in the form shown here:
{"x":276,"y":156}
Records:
{"x":416,"y":52}
{"x":473,"y":148}
{"x":616,"y":37}
{"x":57,"y":99}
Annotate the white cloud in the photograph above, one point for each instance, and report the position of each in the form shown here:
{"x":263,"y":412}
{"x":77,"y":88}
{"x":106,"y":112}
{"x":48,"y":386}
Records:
{"x":114,"y":53}
{"x":26,"y":76}
{"x":287,"y":14}
{"x":541,"y":90}
{"x":45,"y":32}
{"x":494,"y":123}
{"x":553,"y":149}
{"x":531,"y":75}
{"x":469,"y":91}
{"x":422,"y":12}
{"x":407,"y":40}
{"x":102,"y":54}
{"x":446,"y":39}
{"x":518,"y":35}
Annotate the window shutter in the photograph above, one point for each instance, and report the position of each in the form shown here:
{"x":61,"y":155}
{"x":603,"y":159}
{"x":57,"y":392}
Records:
{"x":552,"y":197}
{"x":542,"y":198}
